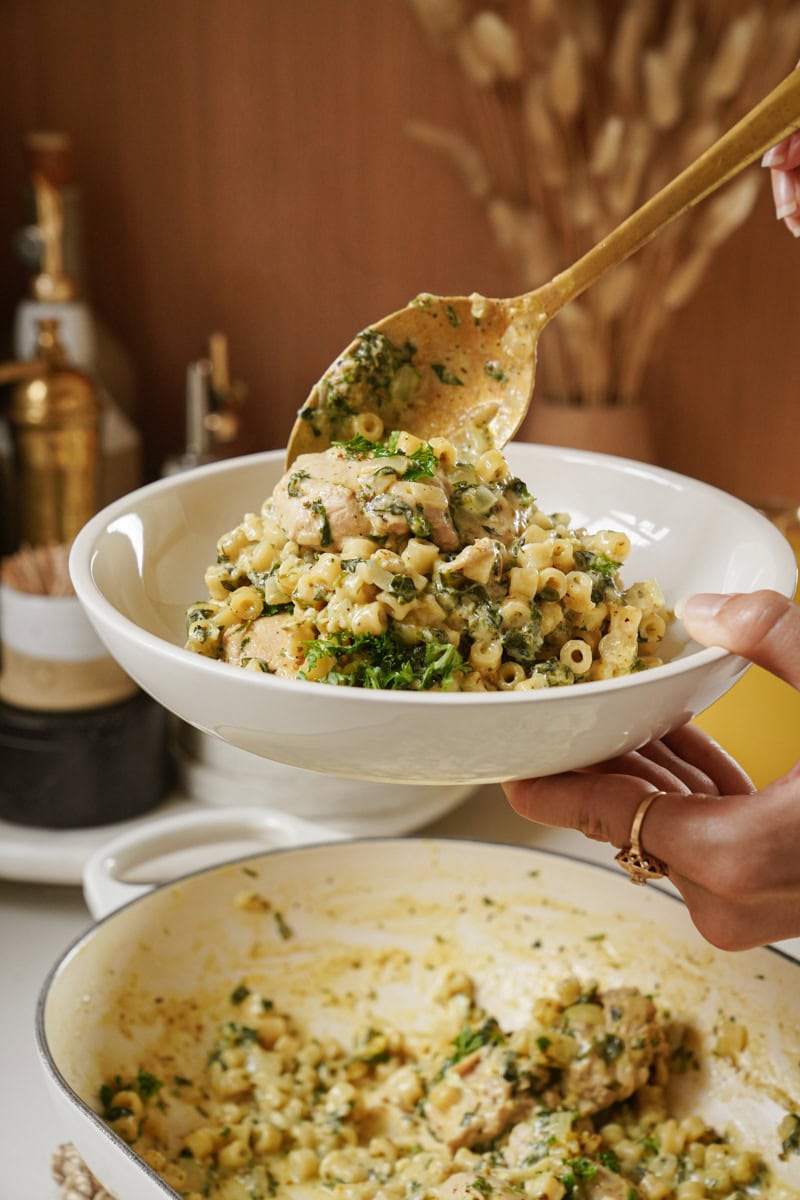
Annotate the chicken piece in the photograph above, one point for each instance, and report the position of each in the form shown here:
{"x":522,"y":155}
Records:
{"x":603,"y":1185}
{"x":328,"y":497}
{"x":317,"y":502}
{"x":476,"y":1099}
{"x":617,"y":1042}
{"x":549,"y":1137}
{"x":264,"y":639}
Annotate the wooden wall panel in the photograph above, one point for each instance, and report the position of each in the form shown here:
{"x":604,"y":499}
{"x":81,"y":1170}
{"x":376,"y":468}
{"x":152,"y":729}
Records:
{"x":245,"y":167}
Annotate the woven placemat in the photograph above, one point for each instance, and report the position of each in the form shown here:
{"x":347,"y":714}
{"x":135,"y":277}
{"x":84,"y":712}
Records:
{"x":73,"y":1177}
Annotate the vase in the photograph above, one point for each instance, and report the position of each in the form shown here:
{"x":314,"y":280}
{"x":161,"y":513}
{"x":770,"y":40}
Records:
{"x":621,"y":429}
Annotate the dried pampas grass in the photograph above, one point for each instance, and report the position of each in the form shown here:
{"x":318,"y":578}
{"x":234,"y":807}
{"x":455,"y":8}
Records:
{"x":576,"y":112}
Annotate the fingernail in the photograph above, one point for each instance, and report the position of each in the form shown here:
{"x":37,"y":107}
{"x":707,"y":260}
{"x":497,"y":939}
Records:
{"x":784,"y":195}
{"x":775,"y":157}
{"x":793,"y":225}
{"x":786,"y":211}
{"x":791,"y":159}
{"x":703,"y":606}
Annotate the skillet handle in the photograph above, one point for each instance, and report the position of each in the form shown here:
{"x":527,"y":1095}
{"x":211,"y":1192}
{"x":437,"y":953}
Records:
{"x":250,"y":830}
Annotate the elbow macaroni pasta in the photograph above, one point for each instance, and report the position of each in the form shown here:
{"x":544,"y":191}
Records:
{"x":575,"y":1103}
{"x":398,"y":564}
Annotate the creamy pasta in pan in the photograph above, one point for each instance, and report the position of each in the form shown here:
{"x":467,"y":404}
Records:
{"x":398,"y":563}
{"x":572,"y":1105}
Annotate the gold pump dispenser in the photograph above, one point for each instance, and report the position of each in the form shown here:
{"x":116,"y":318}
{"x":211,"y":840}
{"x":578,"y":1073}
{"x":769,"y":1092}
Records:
{"x":54,"y":416}
{"x":52,"y":283}
{"x":51,"y":245}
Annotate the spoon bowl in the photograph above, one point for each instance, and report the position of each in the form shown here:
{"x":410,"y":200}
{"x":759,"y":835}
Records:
{"x":439,"y":365}
{"x":464,"y":367}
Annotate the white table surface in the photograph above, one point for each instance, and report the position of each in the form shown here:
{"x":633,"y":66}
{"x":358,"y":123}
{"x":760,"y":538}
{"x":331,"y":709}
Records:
{"x":39,"y":921}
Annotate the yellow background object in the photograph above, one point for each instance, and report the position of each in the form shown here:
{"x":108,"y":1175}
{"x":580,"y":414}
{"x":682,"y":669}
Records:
{"x":758,"y":720}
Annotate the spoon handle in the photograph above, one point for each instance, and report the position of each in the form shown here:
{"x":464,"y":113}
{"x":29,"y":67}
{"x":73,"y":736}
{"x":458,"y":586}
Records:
{"x":777,"y":115}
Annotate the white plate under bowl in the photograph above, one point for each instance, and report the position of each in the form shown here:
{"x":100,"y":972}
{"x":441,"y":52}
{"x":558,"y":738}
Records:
{"x":29,"y":855}
{"x":216,"y":773}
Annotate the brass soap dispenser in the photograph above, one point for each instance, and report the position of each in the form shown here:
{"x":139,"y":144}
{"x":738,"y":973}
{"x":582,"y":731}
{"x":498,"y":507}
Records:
{"x":54,"y":416}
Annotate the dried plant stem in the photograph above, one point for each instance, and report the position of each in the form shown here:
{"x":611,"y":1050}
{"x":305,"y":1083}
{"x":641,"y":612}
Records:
{"x":463,"y":154}
{"x":576,"y":111}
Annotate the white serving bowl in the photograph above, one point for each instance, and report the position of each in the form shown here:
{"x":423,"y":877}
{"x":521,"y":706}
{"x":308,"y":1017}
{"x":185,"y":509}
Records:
{"x":139,"y":563}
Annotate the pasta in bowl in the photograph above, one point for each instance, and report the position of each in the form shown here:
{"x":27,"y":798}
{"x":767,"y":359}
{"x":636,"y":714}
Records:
{"x":139,"y":563}
{"x":404,"y":564}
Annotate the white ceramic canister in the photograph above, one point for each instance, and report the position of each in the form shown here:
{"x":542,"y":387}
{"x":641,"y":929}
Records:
{"x":51,"y":657}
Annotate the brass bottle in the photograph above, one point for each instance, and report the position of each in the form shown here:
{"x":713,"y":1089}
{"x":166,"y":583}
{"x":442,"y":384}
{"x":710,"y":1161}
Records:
{"x":54,"y":416}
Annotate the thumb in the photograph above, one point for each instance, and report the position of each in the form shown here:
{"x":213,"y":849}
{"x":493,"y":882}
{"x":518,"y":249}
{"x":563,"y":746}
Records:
{"x":761,"y":626}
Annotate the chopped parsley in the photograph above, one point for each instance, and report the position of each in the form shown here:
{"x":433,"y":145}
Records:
{"x":390,"y":505}
{"x":605,"y":565}
{"x":610,"y":1047}
{"x":602,"y":569}
{"x":112,"y":1112}
{"x":145,"y":1085}
{"x":235,"y":1034}
{"x":422,"y":462}
{"x":609,"y":1160}
{"x":283,"y":929}
{"x":403,"y":587}
{"x":445,"y":375}
{"x":319,"y":510}
{"x":481,"y":1185}
{"x":522,"y":645}
{"x":374,"y":369}
{"x":384,"y":661}
{"x":469,"y":1039}
{"x":294,"y":481}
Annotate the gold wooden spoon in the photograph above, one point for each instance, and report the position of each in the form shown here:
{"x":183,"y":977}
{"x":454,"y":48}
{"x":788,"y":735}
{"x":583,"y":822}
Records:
{"x":463,"y":367}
